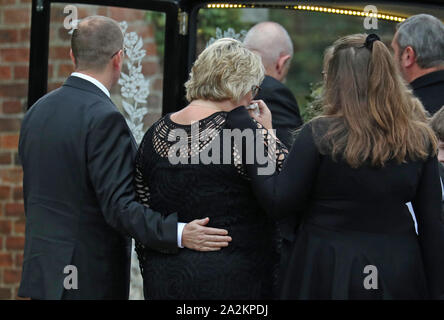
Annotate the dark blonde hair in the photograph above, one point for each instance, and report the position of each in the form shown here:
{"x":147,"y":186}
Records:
{"x":437,"y":123}
{"x":226,"y":70}
{"x":372,"y":115}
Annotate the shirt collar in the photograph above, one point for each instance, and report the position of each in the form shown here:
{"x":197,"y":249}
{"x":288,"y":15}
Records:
{"x":92,"y":80}
{"x":428,"y":79}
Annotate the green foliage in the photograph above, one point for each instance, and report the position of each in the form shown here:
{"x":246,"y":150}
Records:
{"x":210,"y":19}
{"x":158,"y":20}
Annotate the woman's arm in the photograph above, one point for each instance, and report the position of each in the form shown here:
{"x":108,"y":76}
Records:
{"x":286,"y":192}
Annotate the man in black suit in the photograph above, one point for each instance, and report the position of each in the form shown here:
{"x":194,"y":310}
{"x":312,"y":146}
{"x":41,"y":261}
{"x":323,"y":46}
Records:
{"x":272,"y":42}
{"x":77,"y":154}
{"x":418,"y":47}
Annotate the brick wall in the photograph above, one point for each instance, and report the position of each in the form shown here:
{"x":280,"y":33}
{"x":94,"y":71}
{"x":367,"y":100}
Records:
{"x":14,"y":54}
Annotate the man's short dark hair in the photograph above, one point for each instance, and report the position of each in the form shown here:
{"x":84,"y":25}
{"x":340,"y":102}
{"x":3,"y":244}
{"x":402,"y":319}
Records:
{"x":94,"y":41}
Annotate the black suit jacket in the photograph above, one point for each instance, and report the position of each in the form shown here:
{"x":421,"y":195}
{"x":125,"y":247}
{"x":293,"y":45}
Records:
{"x":284,"y":109}
{"x":285,"y":119}
{"x":430,"y":90}
{"x":77,"y":154}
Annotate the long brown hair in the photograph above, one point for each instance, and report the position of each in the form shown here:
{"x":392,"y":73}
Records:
{"x":372,"y":115}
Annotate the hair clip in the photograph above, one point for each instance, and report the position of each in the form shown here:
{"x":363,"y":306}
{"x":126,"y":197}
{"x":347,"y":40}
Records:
{"x":370,"y":39}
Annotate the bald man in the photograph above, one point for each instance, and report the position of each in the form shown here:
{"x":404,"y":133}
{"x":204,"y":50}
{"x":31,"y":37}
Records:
{"x":78,"y":154}
{"x":272,"y":42}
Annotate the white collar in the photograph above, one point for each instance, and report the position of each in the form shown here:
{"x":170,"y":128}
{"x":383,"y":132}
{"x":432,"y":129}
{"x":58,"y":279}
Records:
{"x":93,"y":80}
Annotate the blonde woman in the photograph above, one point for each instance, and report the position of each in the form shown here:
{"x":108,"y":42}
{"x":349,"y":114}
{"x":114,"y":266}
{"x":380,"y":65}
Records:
{"x":349,"y":175}
{"x":217,"y":193}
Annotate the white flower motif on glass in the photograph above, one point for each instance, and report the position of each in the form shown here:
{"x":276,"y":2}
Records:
{"x":134,"y":87}
{"x":229,"y":33}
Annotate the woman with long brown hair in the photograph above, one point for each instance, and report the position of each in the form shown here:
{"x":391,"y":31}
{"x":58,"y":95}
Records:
{"x":348,"y":177}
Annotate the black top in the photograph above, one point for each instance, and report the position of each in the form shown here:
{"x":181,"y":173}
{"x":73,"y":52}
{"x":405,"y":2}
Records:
{"x":222,"y":192}
{"x":429,"y":89}
{"x":78,"y":155}
{"x":352,"y":218}
{"x":284,"y":109}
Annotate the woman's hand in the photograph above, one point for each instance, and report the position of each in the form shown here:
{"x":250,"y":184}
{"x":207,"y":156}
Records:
{"x":264,"y":116}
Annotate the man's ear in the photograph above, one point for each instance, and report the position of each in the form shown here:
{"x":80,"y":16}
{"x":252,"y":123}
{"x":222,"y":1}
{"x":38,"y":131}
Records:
{"x":73,"y":59}
{"x":281,"y":63}
{"x":117,"y":60}
{"x":408,"y":57}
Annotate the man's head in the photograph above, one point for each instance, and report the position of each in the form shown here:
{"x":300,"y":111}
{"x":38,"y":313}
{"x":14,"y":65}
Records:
{"x":418,"y":46}
{"x":272,"y":42}
{"x":97,"y":47}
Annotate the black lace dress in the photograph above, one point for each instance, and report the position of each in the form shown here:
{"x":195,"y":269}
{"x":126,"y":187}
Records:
{"x":246,"y":269}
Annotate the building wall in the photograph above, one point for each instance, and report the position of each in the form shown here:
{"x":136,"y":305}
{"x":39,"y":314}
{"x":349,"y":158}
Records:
{"x":15,"y":17}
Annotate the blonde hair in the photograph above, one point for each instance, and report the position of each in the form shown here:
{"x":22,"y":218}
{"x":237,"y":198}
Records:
{"x":373,"y":115}
{"x":226,"y":70}
{"x":437,"y":123}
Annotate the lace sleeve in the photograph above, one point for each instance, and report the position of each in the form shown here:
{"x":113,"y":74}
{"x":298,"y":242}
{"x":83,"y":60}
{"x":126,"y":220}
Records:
{"x":274,"y":150}
{"x":277,"y":150}
{"x":143,"y":197}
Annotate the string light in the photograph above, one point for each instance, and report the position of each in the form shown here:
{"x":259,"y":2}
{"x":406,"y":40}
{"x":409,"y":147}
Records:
{"x":347,"y":12}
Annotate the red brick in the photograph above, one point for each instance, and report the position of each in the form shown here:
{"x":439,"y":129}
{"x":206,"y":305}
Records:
{"x":13,"y":16}
{"x":15,"y":54}
{"x":59,"y":52}
{"x":19,"y":260}
{"x":5,"y":227}
{"x":9,"y":36}
{"x":21,"y":72}
{"x":5,"y":73}
{"x":120,"y":14}
{"x":150,"y":68}
{"x":11,"y":276}
{"x":9,"y":141}
{"x":12,"y":106}
{"x":25,"y":35}
{"x":5,"y":158}
{"x":5,"y":293}
{"x":151,"y":49}
{"x":158,"y":84}
{"x":54,"y":85}
{"x":5,"y":259}
{"x":17,"y":193}
{"x":50,"y":71}
{"x":65,"y":70}
{"x":14,"y":210}
{"x":11,"y":175}
{"x":5,"y":2}
{"x":5,"y":193}
{"x":19,"y":226}
{"x":16,"y":90}
{"x":15,"y":243}
{"x":64,"y":34}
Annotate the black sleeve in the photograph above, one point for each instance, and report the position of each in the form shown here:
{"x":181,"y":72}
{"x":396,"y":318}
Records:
{"x":427,"y":207}
{"x":285,"y":111}
{"x":286,"y":192}
{"x":110,"y":156}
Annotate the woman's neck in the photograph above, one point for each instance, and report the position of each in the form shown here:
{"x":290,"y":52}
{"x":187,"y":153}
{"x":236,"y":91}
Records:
{"x":226,"y":105}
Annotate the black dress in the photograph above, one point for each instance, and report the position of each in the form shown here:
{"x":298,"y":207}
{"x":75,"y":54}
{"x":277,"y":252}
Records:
{"x":246,"y":269}
{"x":353,"y":218}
